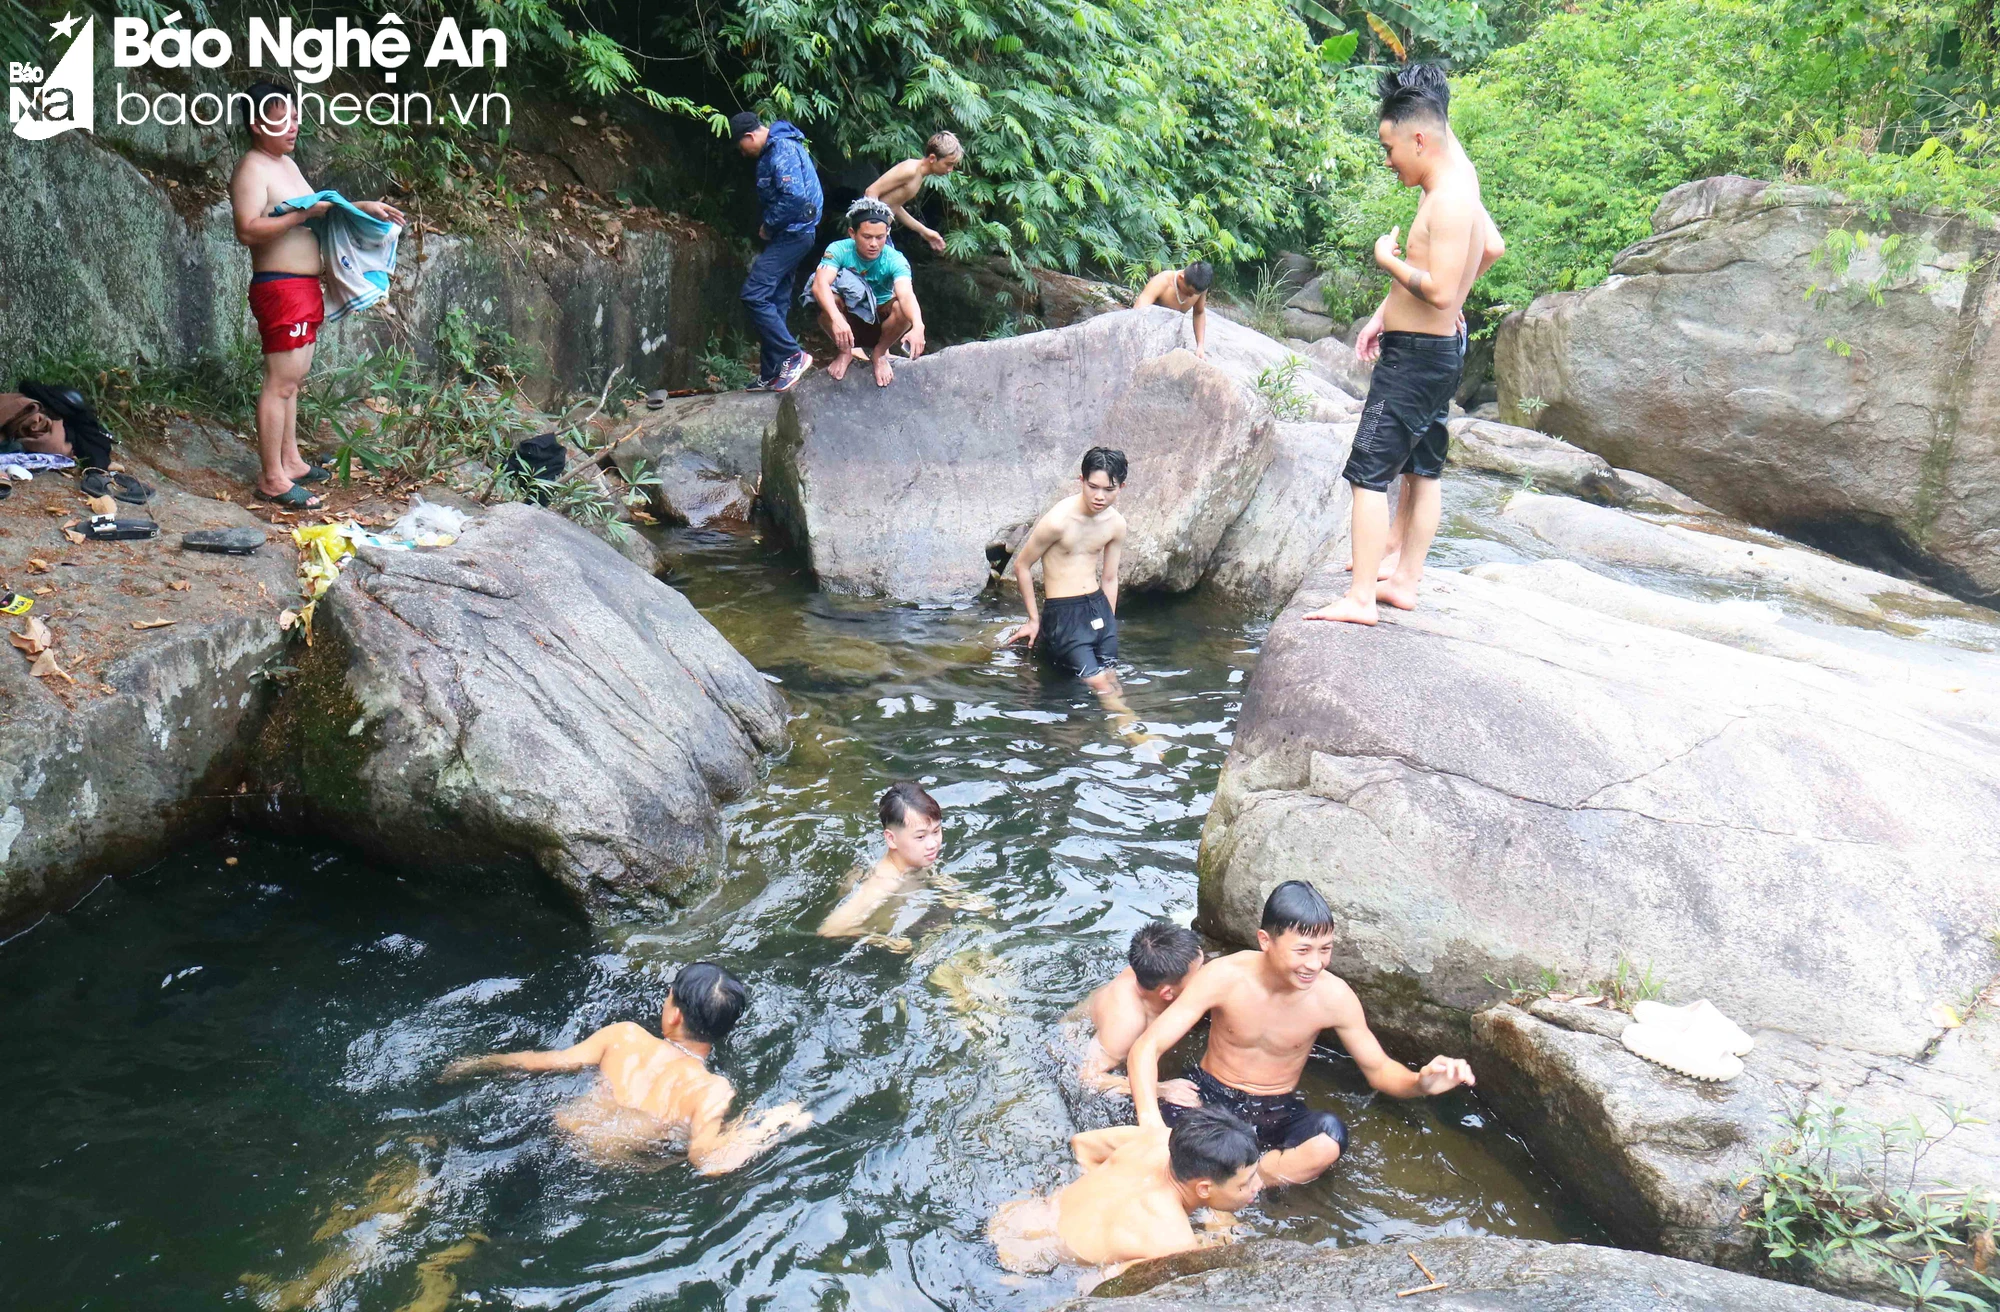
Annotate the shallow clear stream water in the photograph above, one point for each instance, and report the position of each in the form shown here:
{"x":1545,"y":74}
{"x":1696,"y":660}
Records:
{"x":220,"y":1079}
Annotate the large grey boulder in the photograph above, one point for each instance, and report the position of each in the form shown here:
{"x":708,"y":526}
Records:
{"x":900,"y":491}
{"x":1502,"y":786}
{"x":1299,"y":516}
{"x":706,"y":451}
{"x":526,"y":691}
{"x":1703,"y":361}
{"x":109,"y":770}
{"x":1613,"y":537}
{"x":1526,"y":454}
{"x":1485,"y":1273}
{"x":1338,"y":362}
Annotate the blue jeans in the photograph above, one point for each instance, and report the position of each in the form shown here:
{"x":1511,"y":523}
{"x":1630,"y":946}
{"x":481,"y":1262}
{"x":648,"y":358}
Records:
{"x":767,"y":295}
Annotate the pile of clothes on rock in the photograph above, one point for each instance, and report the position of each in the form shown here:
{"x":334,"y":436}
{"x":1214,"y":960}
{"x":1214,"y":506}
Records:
{"x":44,"y":427}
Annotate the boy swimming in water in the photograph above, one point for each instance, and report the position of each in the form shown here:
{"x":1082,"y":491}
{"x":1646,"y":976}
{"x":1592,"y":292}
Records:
{"x":913,"y":833}
{"x":1266,"y":1009}
{"x":656,"y":1090}
{"x":1139,"y":1186}
{"x":1164,"y":958}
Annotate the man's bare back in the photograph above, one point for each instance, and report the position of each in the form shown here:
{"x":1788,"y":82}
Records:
{"x":658,"y":1092}
{"x":261,"y":183}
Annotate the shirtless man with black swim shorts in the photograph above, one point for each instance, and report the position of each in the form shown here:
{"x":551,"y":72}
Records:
{"x":1138,"y":1188}
{"x":1266,"y":1008}
{"x":1078,"y":543}
{"x":660,"y":1091}
{"x":1418,"y":333}
{"x":1182,"y":289}
{"x":285,"y":294}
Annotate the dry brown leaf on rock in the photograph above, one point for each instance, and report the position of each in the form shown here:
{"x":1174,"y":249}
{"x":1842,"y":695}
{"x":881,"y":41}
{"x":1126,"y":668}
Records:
{"x":180,"y":585}
{"x":36,"y":565}
{"x":74,"y":536}
{"x":101,"y":505}
{"x":34,"y":639}
{"x":45,"y":665}
{"x":153,"y":624}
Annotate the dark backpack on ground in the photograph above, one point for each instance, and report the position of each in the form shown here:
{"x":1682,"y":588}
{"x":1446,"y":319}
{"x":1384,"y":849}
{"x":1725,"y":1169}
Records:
{"x":540,"y":457}
{"x":89,"y":440}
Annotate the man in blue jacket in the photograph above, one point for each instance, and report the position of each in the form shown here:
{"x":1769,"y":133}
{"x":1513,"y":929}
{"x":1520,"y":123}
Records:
{"x":788,"y":189}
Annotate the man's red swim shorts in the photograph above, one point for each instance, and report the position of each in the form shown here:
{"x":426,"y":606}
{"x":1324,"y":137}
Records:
{"x":289,"y":308}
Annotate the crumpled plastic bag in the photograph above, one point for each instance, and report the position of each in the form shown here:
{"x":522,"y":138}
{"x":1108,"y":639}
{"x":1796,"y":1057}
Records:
{"x":427,"y":524}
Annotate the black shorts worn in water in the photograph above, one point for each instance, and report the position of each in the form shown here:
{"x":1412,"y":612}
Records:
{"x":1281,"y":1120}
{"x":1402,"y":423}
{"x":1079,"y":634}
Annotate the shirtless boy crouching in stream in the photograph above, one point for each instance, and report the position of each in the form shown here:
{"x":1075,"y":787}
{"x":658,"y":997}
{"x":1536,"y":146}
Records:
{"x":1163,"y":958}
{"x":1138,"y":1188}
{"x":1266,"y":1008}
{"x":657,"y":1091}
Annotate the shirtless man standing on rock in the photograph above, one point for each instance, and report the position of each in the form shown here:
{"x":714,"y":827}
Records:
{"x":1182,"y":289}
{"x":1419,"y":334}
{"x":1138,"y":1188}
{"x":656,"y":1090}
{"x":285,"y":294}
{"x":1266,"y":1008}
{"x":898,"y":187}
{"x":1078,"y":543}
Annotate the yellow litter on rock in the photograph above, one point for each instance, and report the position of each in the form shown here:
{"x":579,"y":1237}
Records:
{"x":325,"y":548}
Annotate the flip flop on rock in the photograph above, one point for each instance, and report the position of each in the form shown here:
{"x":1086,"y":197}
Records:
{"x":292,"y":498}
{"x":121,"y":487}
{"x":1693,"y":1055}
{"x":1700,"y":1019}
{"x":223,"y":541}
{"x":103,"y":528}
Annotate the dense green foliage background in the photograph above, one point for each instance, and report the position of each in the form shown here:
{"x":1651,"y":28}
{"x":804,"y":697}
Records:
{"x":1110,"y":135}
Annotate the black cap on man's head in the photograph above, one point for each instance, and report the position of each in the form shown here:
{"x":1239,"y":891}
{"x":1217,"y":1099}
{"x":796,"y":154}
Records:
{"x":742,"y":125}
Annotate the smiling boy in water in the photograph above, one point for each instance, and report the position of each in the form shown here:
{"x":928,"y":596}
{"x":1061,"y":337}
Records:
{"x":913,"y":832}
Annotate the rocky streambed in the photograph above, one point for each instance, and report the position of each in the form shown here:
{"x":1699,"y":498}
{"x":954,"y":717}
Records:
{"x":1624,"y":739}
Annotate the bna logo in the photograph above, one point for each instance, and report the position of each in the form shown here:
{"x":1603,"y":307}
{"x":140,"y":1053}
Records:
{"x":40,"y":108}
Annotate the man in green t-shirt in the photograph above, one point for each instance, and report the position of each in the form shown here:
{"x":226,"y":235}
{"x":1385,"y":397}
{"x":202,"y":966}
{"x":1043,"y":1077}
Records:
{"x":863,"y":292}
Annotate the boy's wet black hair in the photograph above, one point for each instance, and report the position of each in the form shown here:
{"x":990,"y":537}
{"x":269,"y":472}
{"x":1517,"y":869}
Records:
{"x":1161,"y":953}
{"x":1296,"y":906}
{"x":1104,"y":458}
{"x":1415,"y":91}
{"x":904,"y":797}
{"x":711,"y":1000}
{"x":1210,"y":1143}
{"x":1200,"y":275}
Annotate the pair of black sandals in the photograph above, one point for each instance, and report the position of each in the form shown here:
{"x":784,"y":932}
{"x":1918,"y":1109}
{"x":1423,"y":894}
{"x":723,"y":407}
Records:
{"x":123,"y":487}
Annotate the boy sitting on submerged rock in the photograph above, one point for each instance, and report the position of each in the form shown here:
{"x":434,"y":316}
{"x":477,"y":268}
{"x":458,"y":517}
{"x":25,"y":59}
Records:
{"x":1266,"y":1009}
{"x":1132,"y":1202}
{"x":656,"y":1091}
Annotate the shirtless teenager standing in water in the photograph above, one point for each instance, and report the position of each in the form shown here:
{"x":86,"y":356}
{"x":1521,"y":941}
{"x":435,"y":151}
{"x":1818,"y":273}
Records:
{"x":656,"y":1090}
{"x":1266,"y":1009}
{"x":1078,"y":543}
{"x":285,"y":294}
{"x":1419,"y":335}
{"x":1133,"y":1200}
